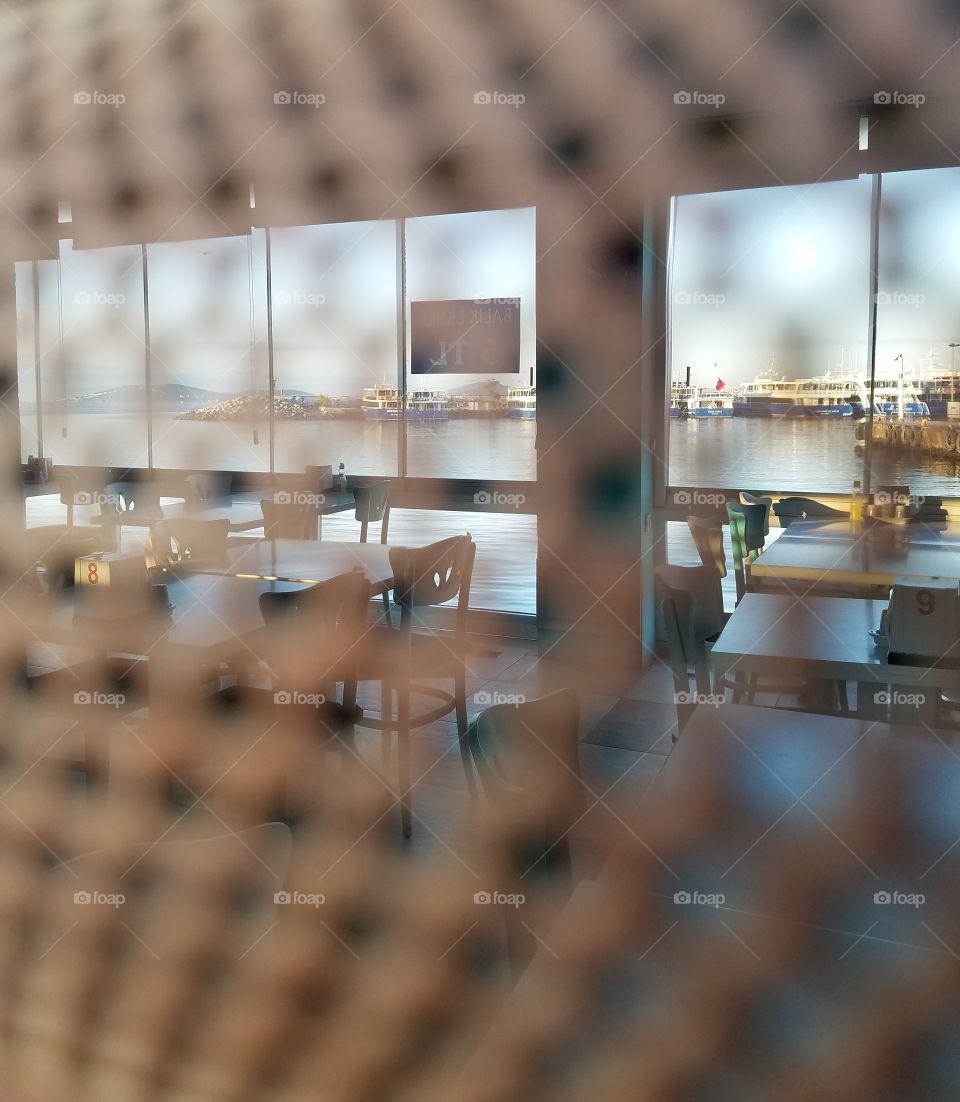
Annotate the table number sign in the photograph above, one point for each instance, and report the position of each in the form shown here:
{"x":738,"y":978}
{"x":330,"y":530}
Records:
{"x":110,"y":570}
{"x":923,"y":619}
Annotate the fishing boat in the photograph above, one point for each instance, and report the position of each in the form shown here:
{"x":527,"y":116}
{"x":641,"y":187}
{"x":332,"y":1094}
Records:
{"x":699,"y":401}
{"x":522,"y":402}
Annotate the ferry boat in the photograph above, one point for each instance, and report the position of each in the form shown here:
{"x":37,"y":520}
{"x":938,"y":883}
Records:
{"x":938,"y":388}
{"x":383,"y":403}
{"x":770,"y":395}
{"x":698,"y":401}
{"x":428,"y":405}
{"x":522,"y":402}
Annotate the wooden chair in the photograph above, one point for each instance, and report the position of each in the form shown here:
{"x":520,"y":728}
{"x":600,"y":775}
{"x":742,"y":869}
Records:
{"x":422,"y":577}
{"x":372,"y":505}
{"x":188,"y":540}
{"x":291,"y":520}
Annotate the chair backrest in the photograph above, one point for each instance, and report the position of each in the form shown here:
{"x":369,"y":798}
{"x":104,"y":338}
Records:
{"x":708,"y":538}
{"x":740,"y":544}
{"x":292,"y":520}
{"x":55,"y":548}
{"x":789,"y":509}
{"x":372,"y":505}
{"x":433,"y":575}
{"x":754,"y":525}
{"x":325,"y":623}
{"x":190,"y":540}
{"x":758,"y":500}
{"x":691,"y":601}
{"x":526,"y":756}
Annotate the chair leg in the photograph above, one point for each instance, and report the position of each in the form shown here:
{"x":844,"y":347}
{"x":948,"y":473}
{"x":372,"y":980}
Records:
{"x":386,"y":716}
{"x":403,"y":756}
{"x":388,"y":620}
{"x":460,"y":694}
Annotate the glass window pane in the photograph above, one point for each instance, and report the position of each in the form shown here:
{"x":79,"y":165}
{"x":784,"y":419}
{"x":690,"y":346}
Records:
{"x":209,"y":370}
{"x":461,"y":424}
{"x":27,"y":361}
{"x":918,"y":334}
{"x":92,"y":357}
{"x":335,"y":322}
{"x":769,"y":293}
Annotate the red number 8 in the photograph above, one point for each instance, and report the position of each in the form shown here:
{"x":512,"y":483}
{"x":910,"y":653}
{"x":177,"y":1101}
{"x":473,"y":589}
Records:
{"x":925,"y":602}
{"x":93,"y":574}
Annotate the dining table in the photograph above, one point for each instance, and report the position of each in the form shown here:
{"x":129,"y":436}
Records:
{"x":869,"y":554}
{"x":827,"y":640}
{"x":302,"y":561}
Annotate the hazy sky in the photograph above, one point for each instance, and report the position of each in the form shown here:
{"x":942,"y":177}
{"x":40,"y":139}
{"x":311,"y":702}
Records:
{"x":784,"y":273}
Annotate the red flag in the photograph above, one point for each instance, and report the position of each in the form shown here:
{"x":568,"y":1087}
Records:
{"x":720,"y":384}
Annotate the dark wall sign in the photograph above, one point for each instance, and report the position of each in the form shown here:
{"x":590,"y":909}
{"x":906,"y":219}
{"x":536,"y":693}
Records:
{"x":465,"y":337}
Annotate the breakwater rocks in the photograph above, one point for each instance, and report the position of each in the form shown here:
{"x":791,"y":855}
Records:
{"x":931,"y":437}
{"x":256,"y":407}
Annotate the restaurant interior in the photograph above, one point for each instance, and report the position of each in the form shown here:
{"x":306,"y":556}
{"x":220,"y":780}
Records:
{"x":480,"y":607}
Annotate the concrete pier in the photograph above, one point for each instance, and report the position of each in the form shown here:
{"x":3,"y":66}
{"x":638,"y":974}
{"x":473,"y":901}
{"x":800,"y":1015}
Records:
{"x":932,"y":437}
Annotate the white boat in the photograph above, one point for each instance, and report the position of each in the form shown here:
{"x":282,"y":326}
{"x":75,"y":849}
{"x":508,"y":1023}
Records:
{"x":522,"y":402}
{"x":383,"y":403}
{"x":699,"y":401}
